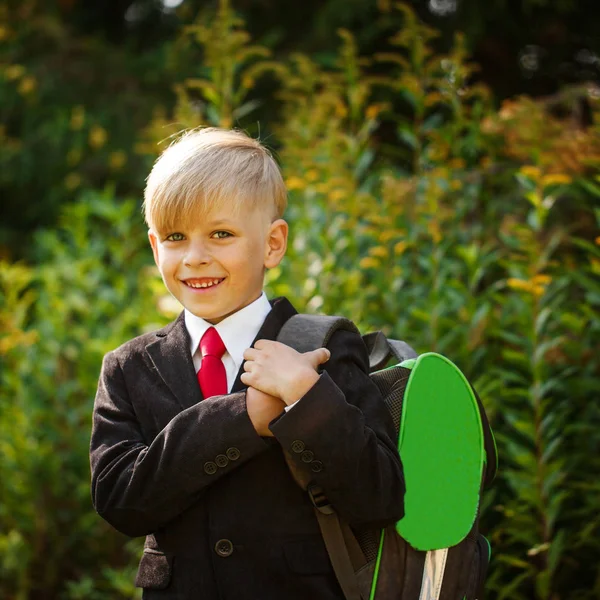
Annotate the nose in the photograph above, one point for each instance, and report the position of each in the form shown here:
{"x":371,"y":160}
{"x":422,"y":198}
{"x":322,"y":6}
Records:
{"x":196,"y":254}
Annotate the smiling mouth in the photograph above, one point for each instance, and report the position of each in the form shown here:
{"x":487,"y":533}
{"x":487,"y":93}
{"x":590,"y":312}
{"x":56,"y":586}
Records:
{"x":203,"y":283}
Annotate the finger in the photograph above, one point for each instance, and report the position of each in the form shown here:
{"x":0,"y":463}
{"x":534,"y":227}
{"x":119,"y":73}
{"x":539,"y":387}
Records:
{"x":250,"y":354}
{"x":318,"y":357}
{"x":262,"y":344}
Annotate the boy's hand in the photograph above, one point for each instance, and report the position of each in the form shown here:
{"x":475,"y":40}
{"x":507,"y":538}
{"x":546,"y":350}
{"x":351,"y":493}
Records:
{"x":280,"y":371}
{"x":262,"y":409}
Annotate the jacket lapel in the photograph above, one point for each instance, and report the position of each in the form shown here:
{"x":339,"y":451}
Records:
{"x":281,"y":311}
{"x":171,"y":356}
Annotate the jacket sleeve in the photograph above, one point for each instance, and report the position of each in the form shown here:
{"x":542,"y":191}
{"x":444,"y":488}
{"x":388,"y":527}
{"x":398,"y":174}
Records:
{"x":340,"y":435}
{"x":138,"y":487}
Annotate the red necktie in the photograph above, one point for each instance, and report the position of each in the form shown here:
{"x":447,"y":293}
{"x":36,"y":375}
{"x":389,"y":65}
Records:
{"x":211,"y":376}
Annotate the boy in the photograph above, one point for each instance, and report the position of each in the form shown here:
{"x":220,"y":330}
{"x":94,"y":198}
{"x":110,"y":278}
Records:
{"x":190,"y":422}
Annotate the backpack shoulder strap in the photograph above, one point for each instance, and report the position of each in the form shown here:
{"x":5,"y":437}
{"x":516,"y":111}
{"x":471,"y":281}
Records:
{"x":304,"y":333}
{"x":307,"y":332}
{"x":381,"y":349}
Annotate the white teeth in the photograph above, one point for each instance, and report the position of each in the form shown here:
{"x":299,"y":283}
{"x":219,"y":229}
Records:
{"x":204,"y":285}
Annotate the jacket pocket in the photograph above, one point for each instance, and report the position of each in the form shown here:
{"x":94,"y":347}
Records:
{"x":154,"y":571}
{"x":307,"y":558}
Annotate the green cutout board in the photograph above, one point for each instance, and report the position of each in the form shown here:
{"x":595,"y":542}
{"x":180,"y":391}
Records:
{"x":442,"y":450}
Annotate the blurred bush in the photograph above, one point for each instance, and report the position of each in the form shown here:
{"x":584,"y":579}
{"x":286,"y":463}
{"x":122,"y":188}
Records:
{"x":61,"y":130}
{"x":458,"y":227}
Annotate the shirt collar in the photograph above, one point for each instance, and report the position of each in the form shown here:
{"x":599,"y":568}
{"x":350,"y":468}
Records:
{"x":237,"y":331}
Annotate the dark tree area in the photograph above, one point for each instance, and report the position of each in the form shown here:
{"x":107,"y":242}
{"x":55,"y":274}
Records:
{"x":116,"y":58}
{"x":522,"y":46}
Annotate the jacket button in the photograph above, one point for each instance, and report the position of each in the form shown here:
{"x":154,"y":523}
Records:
{"x":316,"y":466}
{"x":307,"y":456}
{"x":222,"y":460}
{"x":233,"y":453}
{"x":210,"y":468}
{"x":224,"y":548}
{"x":298,"y":446}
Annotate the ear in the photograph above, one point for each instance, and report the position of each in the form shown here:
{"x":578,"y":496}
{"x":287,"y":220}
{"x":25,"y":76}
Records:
{"x":154,"y":243}
{"x":276,"y":243}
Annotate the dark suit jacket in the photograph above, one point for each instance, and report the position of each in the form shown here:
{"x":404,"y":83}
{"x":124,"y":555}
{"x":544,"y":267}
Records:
{"x":223,"y":517}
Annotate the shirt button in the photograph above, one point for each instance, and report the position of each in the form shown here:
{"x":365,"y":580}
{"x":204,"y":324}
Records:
{"x":298,"y":446}
{"x":316,"y":466}
{"x":307,"y":456}
{"x":224,"y":548}
{"x":222,"y":460}
{"x":210,"y":468}
{"x":233,"y":453}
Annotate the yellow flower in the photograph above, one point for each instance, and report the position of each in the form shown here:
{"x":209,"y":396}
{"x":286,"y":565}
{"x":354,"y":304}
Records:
{"x":340,"y":110}
{"x":312,"y":175}
{"x":457,"y":163}
{"x":294,"y":183}
{"x":336,"y":195}
{"x":400,"y":247}
{"x":372,"y":111}
{"x":77,"y":118}
{"x":541,"y":279}
{"x":386,"y":235}
{"x":518,"y":284}
{"x":489,"y":125}
{"x":368,"y":262}
{"x":97,"y":137}
{"x":531,"y":172}
{"x":72,"y":181}
{"x":4,"y":32}
{"x":456,"y":184}
{"x":117,"y":159}
{"x":597,"y":240}
{"x":535,"y":287}
{"x":433,"y":227}
{"x":247,"y":82}
{"x":438,"y":153}
{"x":379,"y":251}
{"x":556,"y":179}
{"x":27,"y":85}
{"x":378,"y":219}
{"x":433,"y":98}
{"x":538,"y":290}
{"x":14,"y":72}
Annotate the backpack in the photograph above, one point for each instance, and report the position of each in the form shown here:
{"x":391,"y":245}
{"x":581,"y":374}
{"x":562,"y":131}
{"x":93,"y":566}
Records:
{"x":426,"y":555}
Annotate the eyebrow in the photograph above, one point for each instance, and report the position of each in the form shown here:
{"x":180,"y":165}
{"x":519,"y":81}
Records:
{"x":218,"y":222}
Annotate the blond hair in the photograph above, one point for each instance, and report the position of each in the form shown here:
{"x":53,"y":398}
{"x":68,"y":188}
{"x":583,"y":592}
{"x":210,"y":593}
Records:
{"x":207,"y":168}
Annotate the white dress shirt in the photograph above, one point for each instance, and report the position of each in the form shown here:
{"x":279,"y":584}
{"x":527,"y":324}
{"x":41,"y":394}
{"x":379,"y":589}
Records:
{"x":237,"y":332}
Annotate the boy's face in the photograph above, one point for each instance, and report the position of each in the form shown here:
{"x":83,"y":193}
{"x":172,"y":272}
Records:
{"x":215,"y":266}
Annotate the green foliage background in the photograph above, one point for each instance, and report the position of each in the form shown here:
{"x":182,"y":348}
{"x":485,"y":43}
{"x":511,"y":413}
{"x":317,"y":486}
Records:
{"x":417,"y":206}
